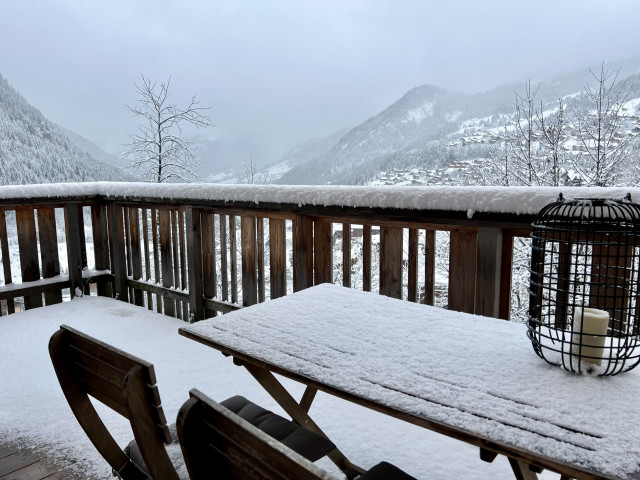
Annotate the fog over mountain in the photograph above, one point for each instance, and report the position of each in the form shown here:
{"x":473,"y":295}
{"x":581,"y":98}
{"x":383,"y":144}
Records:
{"x":35,"y":150}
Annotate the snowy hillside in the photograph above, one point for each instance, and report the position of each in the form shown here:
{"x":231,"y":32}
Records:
{"x":440,"y":132}
{"x":35,"y":150}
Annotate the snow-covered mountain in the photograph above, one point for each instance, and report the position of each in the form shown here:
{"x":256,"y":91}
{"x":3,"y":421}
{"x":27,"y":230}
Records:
{"x":434,"y":130}
{"x":36,"y":150}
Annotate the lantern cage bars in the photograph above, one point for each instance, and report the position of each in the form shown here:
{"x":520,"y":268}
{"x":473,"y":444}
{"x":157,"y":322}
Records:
{"x":585,"y":261}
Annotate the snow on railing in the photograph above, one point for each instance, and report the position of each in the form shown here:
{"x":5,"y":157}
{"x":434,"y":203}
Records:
{"x":196,"y":250}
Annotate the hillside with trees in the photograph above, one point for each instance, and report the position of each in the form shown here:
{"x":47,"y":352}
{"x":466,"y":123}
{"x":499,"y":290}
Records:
{"x":36,"y":150}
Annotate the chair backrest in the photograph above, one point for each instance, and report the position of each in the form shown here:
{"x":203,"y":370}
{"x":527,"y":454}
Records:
{"x":217,"y":443}
{"x":127,"y":384}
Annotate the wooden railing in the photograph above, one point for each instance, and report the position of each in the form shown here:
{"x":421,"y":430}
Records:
{"x":195,"y":251}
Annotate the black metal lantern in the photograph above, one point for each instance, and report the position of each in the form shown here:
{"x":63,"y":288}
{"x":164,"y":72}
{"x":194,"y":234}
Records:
{"x":584,"y":310}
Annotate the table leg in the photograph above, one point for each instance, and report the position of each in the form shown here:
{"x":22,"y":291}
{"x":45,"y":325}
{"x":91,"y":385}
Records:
{"x":299,"y":414}
{"x":521,"y":470}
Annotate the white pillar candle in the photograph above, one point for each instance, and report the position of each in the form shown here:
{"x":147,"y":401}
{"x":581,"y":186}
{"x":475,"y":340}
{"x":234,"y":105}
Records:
{"x":589,"y":332}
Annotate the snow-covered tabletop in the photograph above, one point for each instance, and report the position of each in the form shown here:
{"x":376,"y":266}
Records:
{"x":474,"y":374}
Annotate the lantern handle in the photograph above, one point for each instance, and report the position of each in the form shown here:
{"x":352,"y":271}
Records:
{"x":560,"y":198}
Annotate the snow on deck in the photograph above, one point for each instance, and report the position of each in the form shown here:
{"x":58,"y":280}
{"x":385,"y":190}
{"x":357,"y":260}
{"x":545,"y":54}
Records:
{"x":517,"y":200}
{"x":33,"y":409}
{"x":484,"y":370}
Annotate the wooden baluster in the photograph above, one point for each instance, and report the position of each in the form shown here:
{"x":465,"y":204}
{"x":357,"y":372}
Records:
{"x":412,"y":259}
{"x":183,"y":263}
{"x":195,"y":255}
{"x":166,"y":259}
{"x":462,"y":270}
{"x":248,"y":246}
{"x":277,"y":258}
{"x":506,"y":266}
{"x":74,"y":247}
{"x":260,"y":259}
{"x":224,"y":269}
{"x":302,"y":252}
{"x":127,"y":235}
{"x":135,"y":255}
{"x":48,"y":236}
{"x":346,"y":254}
{"x":323,"y":254}
{"x":429,"y":266}
{"x":391,"y":261}
{"x":6,"y":260}
{"x":210,"y":284}
{"x":366,"y":258}
{"x":147,"y":261}
{"x":155,"y":238}
{"x":83,"y":248}
{"x":28,"y":245}
{"x":117,"y":245}
{"x":176,"y":260}
{"x":234,"y":259}
{"x":101,"y":246}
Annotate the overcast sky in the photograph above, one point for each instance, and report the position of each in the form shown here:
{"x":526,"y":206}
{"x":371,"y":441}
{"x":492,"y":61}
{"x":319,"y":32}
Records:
{"x":280,"y":72}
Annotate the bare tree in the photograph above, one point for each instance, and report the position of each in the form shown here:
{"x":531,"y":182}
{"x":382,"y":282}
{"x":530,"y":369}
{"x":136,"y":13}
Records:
{"x":599,"y":128}
{"x":553,"y":128}
{"x":158,"y":151}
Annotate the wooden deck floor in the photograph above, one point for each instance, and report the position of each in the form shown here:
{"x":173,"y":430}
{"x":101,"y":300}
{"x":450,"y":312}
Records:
{"x":17,"y":464}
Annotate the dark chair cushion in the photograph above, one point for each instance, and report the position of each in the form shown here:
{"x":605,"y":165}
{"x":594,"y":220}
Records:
{"x":385,"y":471}
{"x":305,"y":442}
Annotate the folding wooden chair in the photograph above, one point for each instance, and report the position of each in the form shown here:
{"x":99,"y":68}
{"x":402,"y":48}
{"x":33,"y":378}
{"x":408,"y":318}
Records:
{"x":87,"y":367}
{"x":216,"y":443}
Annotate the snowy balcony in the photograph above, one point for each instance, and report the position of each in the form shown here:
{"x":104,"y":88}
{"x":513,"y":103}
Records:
{"x":194,"y":251}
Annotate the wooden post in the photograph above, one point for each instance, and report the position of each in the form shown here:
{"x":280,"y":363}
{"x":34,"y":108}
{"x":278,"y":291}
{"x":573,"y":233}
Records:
{"x":429,"y":266}
{"x":302,"y":252}
{"x":323,"y":254}
{"x":101,"y":246}
{"x":47,"y":233}
{"x":184,"y":282}
{"x":249,"y":276}
{"x":176,"y":260}
{"x":194,"y":254}
{"x":391,"y":262}
{"x":489,"y":263}
{"x":28,"y":245}
{"x":118,"y":259}
{"x":74,"y":248}
{"x":277,"y":258}
{"x":462,"y":270}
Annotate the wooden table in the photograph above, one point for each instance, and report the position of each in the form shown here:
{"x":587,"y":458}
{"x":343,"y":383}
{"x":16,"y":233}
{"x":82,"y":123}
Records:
{"x":476,"y":379}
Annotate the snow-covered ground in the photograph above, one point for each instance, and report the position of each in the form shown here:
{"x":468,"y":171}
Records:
{"x":33,"y":408}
